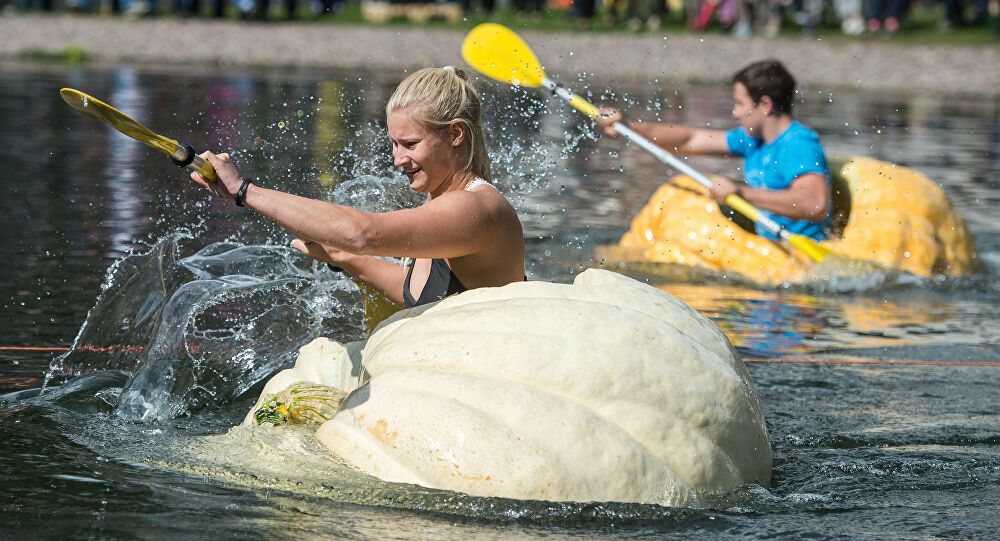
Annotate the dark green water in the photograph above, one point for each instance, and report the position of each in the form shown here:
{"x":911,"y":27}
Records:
{"x":874,"y":451}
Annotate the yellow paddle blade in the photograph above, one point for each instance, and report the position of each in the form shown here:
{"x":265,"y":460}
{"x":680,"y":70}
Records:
{"x":497,"y":52}
{"x":809,"y":247}
{"x":97,"y":109}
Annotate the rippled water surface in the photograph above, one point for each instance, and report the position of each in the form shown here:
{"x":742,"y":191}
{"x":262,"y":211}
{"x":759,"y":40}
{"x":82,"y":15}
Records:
{"x":123,"y":447}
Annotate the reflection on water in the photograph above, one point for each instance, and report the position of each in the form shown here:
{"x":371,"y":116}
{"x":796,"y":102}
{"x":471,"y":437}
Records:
{"x":216,"y":301}
{"x":766,"y":323}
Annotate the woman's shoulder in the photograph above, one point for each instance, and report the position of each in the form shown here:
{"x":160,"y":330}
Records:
{"x":490,"y":199}
{"x":485,"y":191}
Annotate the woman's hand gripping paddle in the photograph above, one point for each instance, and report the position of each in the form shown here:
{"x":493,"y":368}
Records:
{"x":181,"y":154}
{"x":497,"y":52}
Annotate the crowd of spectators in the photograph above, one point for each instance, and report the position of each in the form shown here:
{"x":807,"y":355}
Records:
{"x":244,"y":9}
{"x":768,"y":17}
{"x":741,"y":17}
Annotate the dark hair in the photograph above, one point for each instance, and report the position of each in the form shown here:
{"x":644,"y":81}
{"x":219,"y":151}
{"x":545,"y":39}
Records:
{"x":768,"y":78}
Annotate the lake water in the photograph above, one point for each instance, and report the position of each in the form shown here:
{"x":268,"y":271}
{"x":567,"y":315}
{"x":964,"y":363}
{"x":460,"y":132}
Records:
{"x":123,"y":447}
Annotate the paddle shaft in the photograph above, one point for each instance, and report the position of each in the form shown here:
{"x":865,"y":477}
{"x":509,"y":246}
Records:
{"x":736,"y":202}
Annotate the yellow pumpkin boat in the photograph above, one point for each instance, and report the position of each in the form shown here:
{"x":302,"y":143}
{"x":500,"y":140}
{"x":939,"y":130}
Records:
{"x":884,"y":214}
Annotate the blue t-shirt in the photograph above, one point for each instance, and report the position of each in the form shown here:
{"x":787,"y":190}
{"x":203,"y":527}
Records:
{"x":776,"y":164}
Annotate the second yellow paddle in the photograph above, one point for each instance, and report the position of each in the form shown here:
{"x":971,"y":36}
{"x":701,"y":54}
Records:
{"x":181,"y":154}
{"x":497,"y":52}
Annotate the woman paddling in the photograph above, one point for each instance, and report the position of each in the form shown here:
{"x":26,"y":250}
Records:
{"x":466,"y":235}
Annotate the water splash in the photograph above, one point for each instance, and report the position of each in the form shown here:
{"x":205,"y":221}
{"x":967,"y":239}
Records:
{"x":370,"y":193}
{"x":201,"y":330}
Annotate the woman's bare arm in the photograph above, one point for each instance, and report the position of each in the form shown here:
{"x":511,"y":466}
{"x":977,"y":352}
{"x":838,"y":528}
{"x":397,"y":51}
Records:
{"x":385,"y":276}
{"x":452,"y":225}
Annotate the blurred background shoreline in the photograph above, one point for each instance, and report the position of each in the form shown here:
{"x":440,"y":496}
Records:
{"x":662,"y":57}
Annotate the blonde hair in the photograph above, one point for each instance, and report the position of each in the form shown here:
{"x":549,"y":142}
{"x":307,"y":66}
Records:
{"x":439,"y":97}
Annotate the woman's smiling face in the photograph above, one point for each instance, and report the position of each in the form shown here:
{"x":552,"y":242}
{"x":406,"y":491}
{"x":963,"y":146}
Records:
{"x":427,"y":157}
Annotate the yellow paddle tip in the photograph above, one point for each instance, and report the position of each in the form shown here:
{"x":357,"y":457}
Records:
{"x":74,"y":98}
{"x":83,"y":102}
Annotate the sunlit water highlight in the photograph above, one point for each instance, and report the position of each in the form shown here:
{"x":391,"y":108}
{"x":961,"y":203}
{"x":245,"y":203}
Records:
{"x":134,"y":439}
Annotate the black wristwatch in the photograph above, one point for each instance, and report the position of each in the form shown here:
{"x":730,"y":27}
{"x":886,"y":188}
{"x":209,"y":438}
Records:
{"x":241,"y":194}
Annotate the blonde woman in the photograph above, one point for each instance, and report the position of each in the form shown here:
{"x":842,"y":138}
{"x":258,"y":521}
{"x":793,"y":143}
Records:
{"x":466,"y":235}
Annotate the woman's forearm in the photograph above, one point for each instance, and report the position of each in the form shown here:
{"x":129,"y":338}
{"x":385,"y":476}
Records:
{"x":385,"y":276}
{"x":342,"y":227}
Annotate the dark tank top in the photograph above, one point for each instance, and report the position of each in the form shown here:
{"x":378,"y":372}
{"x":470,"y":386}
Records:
{"x":441,"y":282}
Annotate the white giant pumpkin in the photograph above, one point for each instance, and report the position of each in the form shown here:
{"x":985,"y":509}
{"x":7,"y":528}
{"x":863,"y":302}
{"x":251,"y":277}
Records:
{"x":601,"y":390}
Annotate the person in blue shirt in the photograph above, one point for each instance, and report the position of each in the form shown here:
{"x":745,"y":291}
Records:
{"x":785,"y":169}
